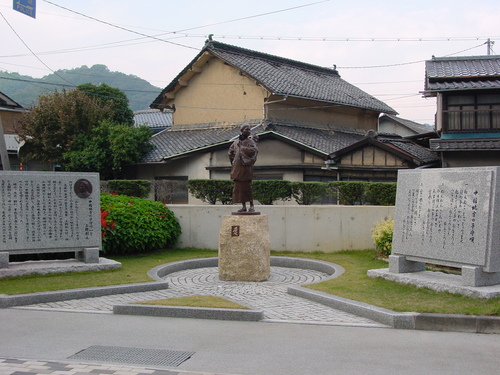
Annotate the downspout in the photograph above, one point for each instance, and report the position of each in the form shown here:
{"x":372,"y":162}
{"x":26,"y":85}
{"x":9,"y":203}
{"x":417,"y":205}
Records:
{"x":264,"y":113}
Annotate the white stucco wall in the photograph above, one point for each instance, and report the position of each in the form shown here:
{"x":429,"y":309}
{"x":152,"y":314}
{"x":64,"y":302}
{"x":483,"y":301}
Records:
{"x":326,"y":228}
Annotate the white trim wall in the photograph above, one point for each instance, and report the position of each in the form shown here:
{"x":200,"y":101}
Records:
{"x":326,"y":228}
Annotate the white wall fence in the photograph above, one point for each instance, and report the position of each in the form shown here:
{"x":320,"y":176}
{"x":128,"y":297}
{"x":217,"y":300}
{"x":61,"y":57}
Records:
{"x":326,"y":228}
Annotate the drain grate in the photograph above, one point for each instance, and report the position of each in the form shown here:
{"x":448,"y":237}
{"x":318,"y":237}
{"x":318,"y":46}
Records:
{"x":152,"y":357}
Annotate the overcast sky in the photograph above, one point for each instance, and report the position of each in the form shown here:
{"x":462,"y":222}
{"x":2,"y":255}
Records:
{"x":379,"y":46}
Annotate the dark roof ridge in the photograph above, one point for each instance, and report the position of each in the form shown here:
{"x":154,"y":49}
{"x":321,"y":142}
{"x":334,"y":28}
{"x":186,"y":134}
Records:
{"x":459,"y":58}
{"x":315,"y":126}
{"x":213,"y":45}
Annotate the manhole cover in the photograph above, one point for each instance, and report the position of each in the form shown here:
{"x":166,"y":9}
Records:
{"x":153,"y":357}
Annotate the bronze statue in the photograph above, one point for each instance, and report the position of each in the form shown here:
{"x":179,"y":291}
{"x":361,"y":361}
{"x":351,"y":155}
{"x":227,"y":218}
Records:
{"x":243,"y":154}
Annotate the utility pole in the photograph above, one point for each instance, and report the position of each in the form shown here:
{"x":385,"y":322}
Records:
{"x":489,"y":43}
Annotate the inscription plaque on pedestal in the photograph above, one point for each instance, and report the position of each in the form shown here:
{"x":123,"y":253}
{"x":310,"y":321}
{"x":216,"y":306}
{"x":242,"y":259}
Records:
{"x":244,"y":248}
{"x":49,"y":212}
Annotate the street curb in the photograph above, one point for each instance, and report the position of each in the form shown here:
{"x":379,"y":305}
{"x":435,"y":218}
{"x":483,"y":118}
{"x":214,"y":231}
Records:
{"x":62,"y":295}
{"x":189,"y":312}
{"x":405,"y":320}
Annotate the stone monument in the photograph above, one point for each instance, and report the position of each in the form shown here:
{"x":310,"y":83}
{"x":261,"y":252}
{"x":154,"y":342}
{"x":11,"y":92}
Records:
{"x":49,"y":212}
{"x":244,"y":243}
{"x":449,"y":217}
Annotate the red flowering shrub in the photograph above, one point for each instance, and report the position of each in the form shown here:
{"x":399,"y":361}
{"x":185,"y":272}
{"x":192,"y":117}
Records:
{"x":132,"y":225}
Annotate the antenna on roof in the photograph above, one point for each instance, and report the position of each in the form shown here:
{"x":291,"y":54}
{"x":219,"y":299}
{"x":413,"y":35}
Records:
{"x":489,"y":44}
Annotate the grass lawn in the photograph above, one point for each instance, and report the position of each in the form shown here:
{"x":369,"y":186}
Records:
{"x":353,"y":284}
{"x":197,"y":301}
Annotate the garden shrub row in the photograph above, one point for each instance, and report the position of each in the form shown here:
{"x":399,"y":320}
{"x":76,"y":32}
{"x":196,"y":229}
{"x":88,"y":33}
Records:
{"x":304,"y":193}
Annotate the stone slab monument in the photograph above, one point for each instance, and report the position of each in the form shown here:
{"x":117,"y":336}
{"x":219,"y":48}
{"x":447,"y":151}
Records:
{"x":449,"y":217}
{"x":244,"y":248}
{"x":49,"y":212}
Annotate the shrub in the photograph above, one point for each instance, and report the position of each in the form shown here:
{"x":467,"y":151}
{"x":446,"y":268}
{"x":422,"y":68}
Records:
{"x":382,"y":236}
{"x":212,"y":191}
{"x":349,"y":192}
{"x":132,"y":225}
{"x":268,"y":191}
{"x":380,"y":193}
{"x":306,"y":193}
{"x":133,"y":188}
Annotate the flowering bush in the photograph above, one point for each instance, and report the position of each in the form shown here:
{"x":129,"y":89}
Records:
{"x":382,"y":236}
{"x":132,"y":225}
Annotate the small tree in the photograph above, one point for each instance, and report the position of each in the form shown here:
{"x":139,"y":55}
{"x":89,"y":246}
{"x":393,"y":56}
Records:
{"x":112,"y":97}
{"x":50,"y":127}
{"x":107,"y":148}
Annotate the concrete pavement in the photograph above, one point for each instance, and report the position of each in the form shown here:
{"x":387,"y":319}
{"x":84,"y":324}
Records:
{"x":250,"y":348}
{"x":82,"y":336}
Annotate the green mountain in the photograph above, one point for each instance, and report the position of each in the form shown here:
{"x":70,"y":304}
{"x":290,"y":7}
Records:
{"x":25,"y":89}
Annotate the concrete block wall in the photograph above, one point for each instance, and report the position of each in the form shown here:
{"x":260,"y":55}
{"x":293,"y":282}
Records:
{"x":326,"y":228}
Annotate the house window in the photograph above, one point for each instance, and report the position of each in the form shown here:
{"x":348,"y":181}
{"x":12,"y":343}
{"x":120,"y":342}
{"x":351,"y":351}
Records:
{"x":472,"y":113}
{"x":171,"y":189}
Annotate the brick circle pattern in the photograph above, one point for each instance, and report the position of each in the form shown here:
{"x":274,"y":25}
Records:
{"x":269,"y":296}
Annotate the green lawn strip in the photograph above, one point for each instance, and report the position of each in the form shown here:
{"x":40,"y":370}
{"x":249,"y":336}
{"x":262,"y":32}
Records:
{"x":196,"y":301}
{"x":134,"y":270}
{"x":356,"y":285}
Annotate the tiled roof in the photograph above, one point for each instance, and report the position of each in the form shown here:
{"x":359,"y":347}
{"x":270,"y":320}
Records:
{"x":462,"y":73}
{"x":422,"y":154}
{"x":288,"y":77}
{"x":177,"y":141}
{"x":153,"y":118}
{"x":415,"y":126}
{"x":6,"y":102}
{"x":484,"y":144}
{"x":325,"y":141}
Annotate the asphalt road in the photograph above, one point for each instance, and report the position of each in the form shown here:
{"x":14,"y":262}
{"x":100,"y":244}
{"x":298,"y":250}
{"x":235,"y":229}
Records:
{"x":260,"y":348}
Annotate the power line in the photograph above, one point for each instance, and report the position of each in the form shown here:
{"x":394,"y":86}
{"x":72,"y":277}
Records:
{"x":174,"y":32}
{"x":33,"y":53}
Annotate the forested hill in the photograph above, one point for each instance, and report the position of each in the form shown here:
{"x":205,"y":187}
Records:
{"x":25,"y":89}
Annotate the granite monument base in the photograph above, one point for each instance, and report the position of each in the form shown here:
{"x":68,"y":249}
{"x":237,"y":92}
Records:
{"x":244,"y":248}
{"x":473,"y":276}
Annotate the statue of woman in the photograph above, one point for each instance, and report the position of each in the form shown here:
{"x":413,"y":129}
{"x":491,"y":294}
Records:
{"x":243,"y":154}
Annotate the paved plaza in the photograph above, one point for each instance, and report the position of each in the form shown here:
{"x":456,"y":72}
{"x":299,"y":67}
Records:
{"x":270,"y":296}
{"x":297,"y":336}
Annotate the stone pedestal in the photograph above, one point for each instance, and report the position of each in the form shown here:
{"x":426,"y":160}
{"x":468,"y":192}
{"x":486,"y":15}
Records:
{"x":244,"y":248}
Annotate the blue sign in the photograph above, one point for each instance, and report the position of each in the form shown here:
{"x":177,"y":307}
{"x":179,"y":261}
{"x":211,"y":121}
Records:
{"x":27,"y":7}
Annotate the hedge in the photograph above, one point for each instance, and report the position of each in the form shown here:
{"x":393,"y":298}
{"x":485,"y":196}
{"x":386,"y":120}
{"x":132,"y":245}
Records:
{"x":304,"y":193}
{"x":132,"y":188}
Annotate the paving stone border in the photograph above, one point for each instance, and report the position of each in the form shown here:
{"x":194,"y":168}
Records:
{"x":62,"y":295}
{"x":189,"y":312}
{"x":334,"y":270}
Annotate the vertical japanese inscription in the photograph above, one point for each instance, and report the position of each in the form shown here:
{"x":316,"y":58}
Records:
{"x":446,"y":216}
{"x":43,"y":211}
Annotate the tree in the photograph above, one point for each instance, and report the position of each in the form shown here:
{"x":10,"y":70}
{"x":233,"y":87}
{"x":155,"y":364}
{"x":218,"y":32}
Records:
{"x":107,"y":148}
{"x":114,"y":97}
{"x":50,"y":127}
